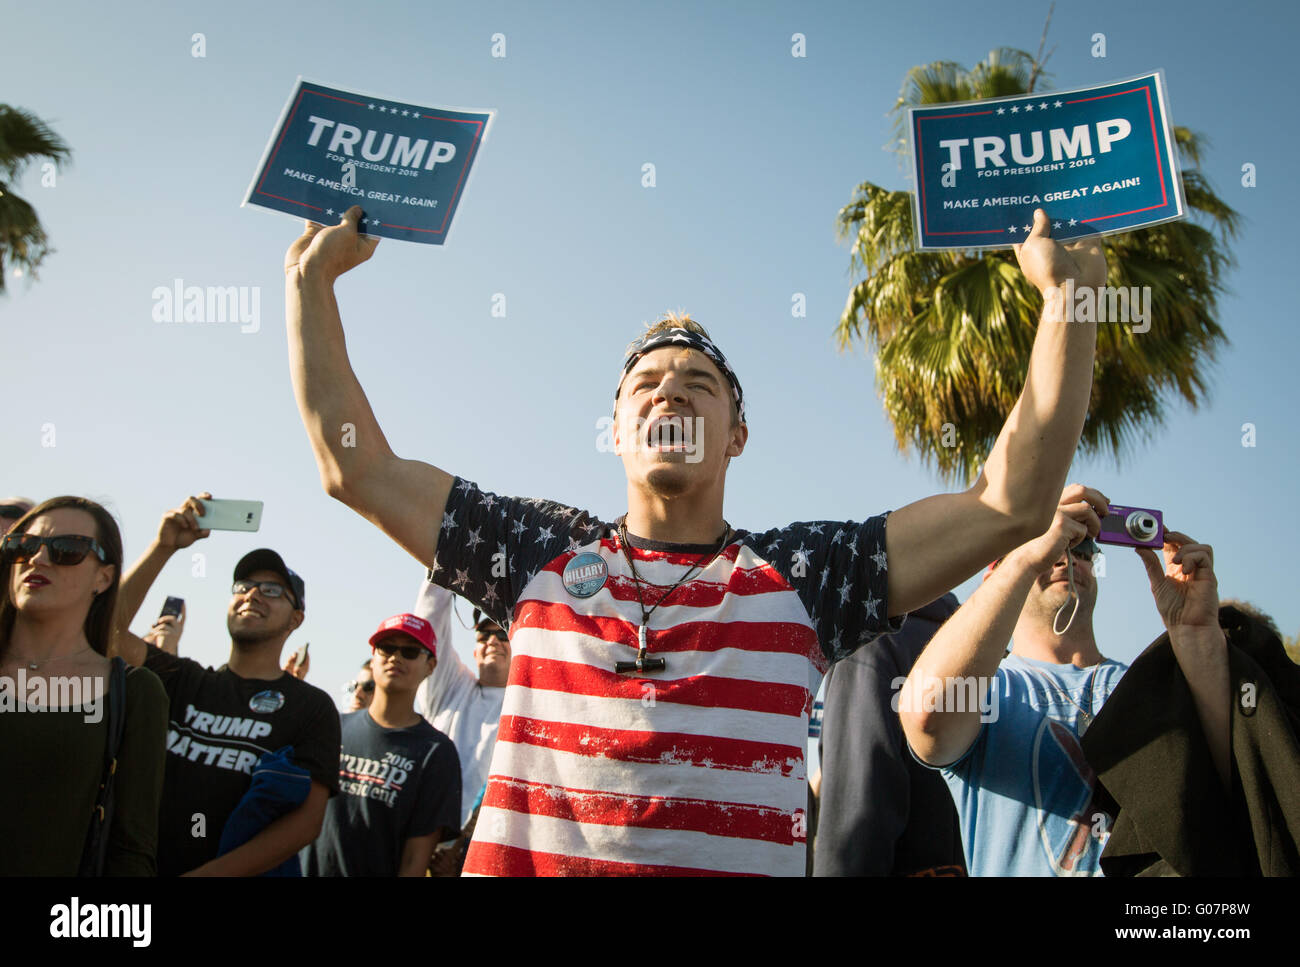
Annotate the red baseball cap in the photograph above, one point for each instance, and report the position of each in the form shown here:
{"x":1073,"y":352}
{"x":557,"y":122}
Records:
{"x":407,"y":624}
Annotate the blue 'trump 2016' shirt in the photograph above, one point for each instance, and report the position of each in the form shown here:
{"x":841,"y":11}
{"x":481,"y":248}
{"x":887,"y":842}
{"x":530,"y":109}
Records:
{"x":1024,"y":790}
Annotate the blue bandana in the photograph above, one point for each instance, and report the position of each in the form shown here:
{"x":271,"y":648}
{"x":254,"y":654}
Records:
{"x":690,"y":340}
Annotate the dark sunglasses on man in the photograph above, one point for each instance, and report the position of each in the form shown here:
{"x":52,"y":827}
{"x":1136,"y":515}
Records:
{"x":409,"y":652}
{"x":65,"y":549}
{"x":12,"y":511}
{"x":1086,"y":549}
{"x":367,"y":686}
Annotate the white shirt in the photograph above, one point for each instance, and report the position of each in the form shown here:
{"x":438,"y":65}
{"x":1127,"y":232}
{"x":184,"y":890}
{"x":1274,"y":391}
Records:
{"x":453,"y":701}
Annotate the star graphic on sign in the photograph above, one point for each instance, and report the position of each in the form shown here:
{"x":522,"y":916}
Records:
{"x":853,"y":546}
{"x":1056,"y":224}
{"x":774,"y":545}
{"x":826,"y":573}
{"x":1015,"y":109}
{"x":845,"y":590}
{"x":1012,"y":229}
{"x":1056,"y":104}
{"x":545,"y":534}
{"x":329,"y":211}
{"x":838,"y":536}
{"x":881,"y":559}
{"x":465,"y":486}
{"x":520,"y":527}
{"x":1002,"y":110}
{"x":490,"y":594}
{"x":815,"y":528}
{"x":374,"y":221}
{"x":363,"y":221}
{"x":462,"y":579}
{"x":474,"y":539}
{"x":447,"y":522}
{"x":1029,"y":107}
{"x":573,"y":545}
{"x":1073,"y":222}
{"x":1042,"y":106}
{"x":405,"y":113}
{"x":371,"y":106}
{"x":871,"y":604}
{"x":1028,"y":228}
{"x":801,"y":556}
{"x":488,"y":501}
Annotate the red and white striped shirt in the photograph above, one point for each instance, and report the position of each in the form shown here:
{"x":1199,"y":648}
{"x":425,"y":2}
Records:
{"x":695,"y":769}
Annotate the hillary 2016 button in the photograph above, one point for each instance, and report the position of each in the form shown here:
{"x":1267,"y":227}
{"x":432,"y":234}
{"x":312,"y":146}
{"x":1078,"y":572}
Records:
{"x":585,"y":574}
{"x":267,"y":701}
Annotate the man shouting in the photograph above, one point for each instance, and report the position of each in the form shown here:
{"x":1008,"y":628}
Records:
{"x":665,"y":663}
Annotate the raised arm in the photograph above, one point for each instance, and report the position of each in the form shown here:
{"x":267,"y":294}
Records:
{"x":1187,"y":597}
{"x":971,"y":643}
{"x":936,"y":543}
{"x":404,"y":498}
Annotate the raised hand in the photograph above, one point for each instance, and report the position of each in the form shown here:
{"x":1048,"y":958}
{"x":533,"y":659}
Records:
{"x":1186,"y":589}
{"x":329,"y":252}
{"x":1048,"y":264}
{"x":180,"y":527}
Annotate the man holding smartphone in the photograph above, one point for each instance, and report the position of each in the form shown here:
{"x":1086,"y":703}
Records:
{"x":224,"y":720}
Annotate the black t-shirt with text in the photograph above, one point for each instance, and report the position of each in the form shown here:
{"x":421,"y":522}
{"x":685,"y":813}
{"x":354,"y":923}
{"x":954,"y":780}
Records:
{"x":394,"y":785}
{"x":220,"y":725}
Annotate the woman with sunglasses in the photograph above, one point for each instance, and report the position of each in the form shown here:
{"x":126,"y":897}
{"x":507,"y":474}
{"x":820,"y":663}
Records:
{"x":62,"y":562}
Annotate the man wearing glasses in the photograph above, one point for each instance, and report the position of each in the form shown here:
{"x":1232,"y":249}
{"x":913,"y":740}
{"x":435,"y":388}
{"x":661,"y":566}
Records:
{"x":399,"y":778}
{"x":222,"y":721}
{"x":1004,"y":728}
{"x":361,"y":690}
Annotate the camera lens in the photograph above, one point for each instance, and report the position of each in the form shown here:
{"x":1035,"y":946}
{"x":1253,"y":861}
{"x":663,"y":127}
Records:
{"x":1142,"y":526}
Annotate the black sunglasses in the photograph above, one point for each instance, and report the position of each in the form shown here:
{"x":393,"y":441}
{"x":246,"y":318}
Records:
{"x":409,"y":652}
{"x":367,"y":686}
{"x":1086,"y":549}
{"x":12,"y":511}
{"x":65,"y":549}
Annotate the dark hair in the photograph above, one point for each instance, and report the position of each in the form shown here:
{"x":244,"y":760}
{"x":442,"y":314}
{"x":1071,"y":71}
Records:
{"x":99,"y":619}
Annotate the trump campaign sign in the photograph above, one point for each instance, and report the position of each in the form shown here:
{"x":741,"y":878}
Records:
{"x":405,"y":164}
{"x":1097,"y":160}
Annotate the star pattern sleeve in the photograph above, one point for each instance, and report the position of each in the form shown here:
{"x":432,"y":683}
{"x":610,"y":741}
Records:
{"x":491,"y":547}
{"x":840,"y":571}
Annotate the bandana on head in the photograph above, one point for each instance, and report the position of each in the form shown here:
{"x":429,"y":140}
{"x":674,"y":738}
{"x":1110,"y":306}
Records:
{"x":691,"y":340}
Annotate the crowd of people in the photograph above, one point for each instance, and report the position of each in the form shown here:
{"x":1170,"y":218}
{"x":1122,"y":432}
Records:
{"x":643,"y":687}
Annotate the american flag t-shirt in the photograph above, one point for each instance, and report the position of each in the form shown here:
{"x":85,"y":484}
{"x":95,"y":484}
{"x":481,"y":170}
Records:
{"x":696,"y":769}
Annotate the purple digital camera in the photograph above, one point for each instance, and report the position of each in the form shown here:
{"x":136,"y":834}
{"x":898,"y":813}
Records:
{"x":1132,"y":527}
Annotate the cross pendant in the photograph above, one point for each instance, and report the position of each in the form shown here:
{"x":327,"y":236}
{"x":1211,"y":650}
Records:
{"x":642,"y":663}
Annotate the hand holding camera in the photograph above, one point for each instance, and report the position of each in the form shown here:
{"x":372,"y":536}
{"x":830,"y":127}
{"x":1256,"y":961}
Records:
{"x":1078,"y":516}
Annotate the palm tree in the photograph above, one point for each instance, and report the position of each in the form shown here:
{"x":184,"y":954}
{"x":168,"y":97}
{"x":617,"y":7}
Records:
{"x":23,"y":138}
{"x":952,"y":331}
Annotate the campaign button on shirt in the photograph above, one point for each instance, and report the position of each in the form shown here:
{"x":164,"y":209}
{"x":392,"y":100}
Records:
{"x":267,"y":701}
{"x":585,"y":574}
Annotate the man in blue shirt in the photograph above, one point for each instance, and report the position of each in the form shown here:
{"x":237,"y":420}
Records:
{"x":1005,"y":731}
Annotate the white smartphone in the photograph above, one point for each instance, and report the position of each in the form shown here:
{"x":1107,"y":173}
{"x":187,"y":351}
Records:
{"x":230,"y":515}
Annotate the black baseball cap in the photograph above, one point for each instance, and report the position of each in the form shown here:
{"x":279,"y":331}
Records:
{"x":265,"y":559}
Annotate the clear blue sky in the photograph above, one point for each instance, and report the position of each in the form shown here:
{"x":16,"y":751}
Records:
{"x":755,"y":152}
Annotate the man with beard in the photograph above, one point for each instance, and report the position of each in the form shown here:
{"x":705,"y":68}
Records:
{"x":224,"y":720}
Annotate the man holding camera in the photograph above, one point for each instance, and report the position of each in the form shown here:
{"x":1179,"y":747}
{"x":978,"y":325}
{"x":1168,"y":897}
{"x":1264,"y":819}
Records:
{"x":1013,"y":759}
